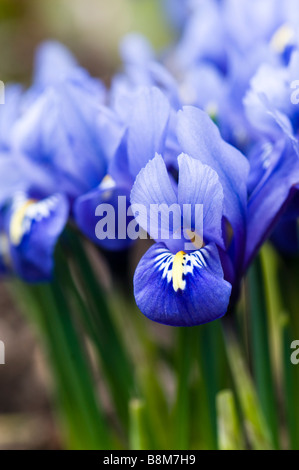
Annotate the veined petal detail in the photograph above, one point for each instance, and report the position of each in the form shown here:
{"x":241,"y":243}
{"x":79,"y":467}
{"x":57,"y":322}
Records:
{"x":176,"y":267}
{"x":32,"y":229}
{"x":182,"y":289}
{"x":25,"y":212}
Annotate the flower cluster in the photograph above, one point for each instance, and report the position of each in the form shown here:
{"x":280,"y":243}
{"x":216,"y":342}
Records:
{"x":212,"y":122}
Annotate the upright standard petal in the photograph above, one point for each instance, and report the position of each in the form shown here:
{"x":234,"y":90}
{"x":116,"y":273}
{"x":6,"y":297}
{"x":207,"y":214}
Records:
{"x":193,"y":47}
{"x":181,"y":289}
{"x":199,"y":185}
{"x":199,"y":137}
{"x":147,"y":128}
{"x":53,"y":62}
{"x":135,"y":49}
{"x":191,"y":211}
{"x":63,"y":132}
{"x":154,"y":192}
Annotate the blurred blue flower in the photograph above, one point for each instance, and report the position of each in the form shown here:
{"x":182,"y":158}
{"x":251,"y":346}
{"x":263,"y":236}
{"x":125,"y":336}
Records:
{"x":59,"y":139}
{"x":268,"y":102}
{"x":275,"y":157}
{"x":68,"y":139}
{"x":273,"y":188}
{"x":145,"y":134}
{"x":29,"y":232}
{"x":59,"y":136}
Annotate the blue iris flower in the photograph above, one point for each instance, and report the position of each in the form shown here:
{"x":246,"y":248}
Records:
{"x":141,"y":68}
{"x":215,"y":74}
{"x":64,"y":133}
{"x":209,"y":171}
{"x":145,"y":134}
{"x":274,"y":159}
{"x":57,"y":148}
{"x":268,"y":102}
{"x":274,"y":185}
{"x":212,"y":75}
{"x":68,"y":145}
{"x":174,"y":286}
{"x":59,"y":136}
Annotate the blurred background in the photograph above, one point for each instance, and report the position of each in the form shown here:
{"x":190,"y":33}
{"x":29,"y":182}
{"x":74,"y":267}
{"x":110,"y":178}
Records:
{"x":92,"y":30}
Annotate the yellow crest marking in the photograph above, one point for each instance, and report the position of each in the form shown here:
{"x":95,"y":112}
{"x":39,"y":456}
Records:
{"x":178,"y":271}
{"x":16,"y":224}
{"x":282,"y":38}
{"x":195,"y":239}
{"x":107,"y":184}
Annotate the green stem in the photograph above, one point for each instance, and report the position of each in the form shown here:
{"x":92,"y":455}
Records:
{"x":255,"y":425}
{"x":182,"y":409}
{"x":83,"y":421}
{"x":210,"y":366}
{"x":229,"y":432}
{"x":156,"y":406}
{"x":138,"y":425}
{"x":99,"y":321}
{"x":262,"y":365}
{"x":147,"y":355}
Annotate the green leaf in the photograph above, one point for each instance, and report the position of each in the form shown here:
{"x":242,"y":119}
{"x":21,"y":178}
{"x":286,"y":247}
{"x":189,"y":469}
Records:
{"x":83,"y":422}
{"x":254,"y":422}
{"x":262,"y":365}
{"x":99,"y":322}
{"x":138,"y":425}
{"x":229,"y":432}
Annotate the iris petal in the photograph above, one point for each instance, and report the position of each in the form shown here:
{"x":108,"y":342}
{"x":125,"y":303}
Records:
{"x":53,"y":61}
{"x":200,"y":185}
{"x":153,"y":188}
{"x":63,"y":132}
{"x":33,"y":228}
{"x":199,"y":137}
{"x":117,"y":196}
{"x":270,"y":198}
{"x":199,"y":201}
{"x":181,"y":289}
{"x":147,"y":128}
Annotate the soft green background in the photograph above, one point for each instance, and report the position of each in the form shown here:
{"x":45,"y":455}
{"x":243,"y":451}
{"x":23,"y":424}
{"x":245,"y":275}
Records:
{"x":92,"y":29}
